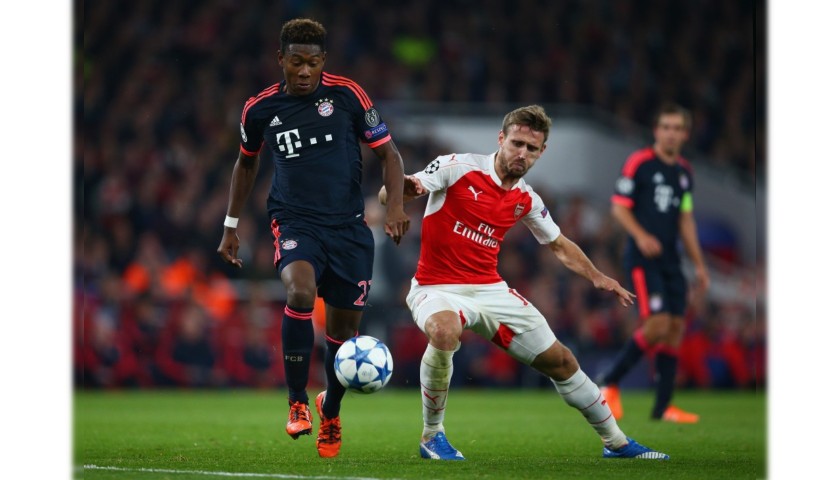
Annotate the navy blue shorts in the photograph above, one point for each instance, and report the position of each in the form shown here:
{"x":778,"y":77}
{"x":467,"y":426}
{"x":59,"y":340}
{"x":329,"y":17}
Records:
{"x":341,"y":256}
{"x":660,"y":287}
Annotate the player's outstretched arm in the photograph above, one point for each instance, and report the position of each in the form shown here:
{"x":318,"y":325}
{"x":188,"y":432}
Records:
{"x":647,"y":243}
{"x":242,"y":181}
{"x":575,"y":260}
{"x":396,"y":221}
{"x":412,"y":188}
{"x":688,"y":234}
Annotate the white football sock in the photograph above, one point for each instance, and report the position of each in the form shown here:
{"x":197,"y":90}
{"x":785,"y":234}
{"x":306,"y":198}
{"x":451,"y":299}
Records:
{"x":435,"y":374}
{"x":581,"y":393}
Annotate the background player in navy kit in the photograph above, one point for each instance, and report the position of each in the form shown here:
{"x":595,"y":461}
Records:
{"x":312,"y":122}
{"x":653,"y":203}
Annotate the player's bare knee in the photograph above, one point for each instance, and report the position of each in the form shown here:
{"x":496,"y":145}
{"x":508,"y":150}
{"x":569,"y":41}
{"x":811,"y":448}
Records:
{"x":676,"y":328}
{"x":443,"y":332}
{"x":657,"y":328}
{"x":657,"y":336}
{"x":300,"y":296}
{"x":341,"y":333}
{"x":558,"y":362}
{"x":568,"y":364}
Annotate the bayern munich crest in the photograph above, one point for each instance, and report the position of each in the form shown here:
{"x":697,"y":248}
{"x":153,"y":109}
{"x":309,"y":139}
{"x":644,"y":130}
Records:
{"x":288,"y":244}
{"x":325,"y":107}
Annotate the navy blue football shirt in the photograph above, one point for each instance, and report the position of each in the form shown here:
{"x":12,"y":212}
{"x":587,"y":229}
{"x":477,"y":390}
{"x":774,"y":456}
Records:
{"x":657,"y":193}
{"x":314,"y":144}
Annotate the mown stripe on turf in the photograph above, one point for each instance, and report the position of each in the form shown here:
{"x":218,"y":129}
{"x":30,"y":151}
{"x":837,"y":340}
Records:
{"x":225,"y":474}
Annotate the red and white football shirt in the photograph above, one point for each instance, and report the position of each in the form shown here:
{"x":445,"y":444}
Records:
{"x":467,"y":216}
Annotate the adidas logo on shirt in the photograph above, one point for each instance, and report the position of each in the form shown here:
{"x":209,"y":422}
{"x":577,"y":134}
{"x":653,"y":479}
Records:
{"x":275,"y":122}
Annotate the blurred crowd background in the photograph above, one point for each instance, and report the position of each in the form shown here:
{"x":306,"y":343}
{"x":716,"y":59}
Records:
{"x":159,"y":88}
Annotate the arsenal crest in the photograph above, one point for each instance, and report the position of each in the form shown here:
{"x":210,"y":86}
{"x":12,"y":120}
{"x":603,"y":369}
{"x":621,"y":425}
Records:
{"x":518,"y":210}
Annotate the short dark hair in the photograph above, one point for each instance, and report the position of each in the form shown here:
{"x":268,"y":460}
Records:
{"x":302,"y":31}
{"x":671,"y":108}
{"x":533,"y":116}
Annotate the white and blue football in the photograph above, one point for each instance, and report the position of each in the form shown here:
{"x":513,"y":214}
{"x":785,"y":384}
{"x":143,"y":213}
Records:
{"x":363,"y":364}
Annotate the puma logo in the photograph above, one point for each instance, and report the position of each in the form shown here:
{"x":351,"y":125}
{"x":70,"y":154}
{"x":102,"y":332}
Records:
{"x":475,"y":194}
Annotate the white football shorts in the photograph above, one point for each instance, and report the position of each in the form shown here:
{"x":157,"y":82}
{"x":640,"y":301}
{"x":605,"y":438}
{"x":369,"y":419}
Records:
{"x":494,"y":311}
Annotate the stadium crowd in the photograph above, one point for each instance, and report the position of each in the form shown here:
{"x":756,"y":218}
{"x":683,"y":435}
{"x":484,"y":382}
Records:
{"x":159,"y":90}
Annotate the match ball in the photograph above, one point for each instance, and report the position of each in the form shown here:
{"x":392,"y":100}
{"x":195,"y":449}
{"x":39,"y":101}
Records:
{"x":363,"y":364}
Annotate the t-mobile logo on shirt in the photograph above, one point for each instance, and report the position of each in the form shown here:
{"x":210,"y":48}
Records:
{"x":289,"y":141}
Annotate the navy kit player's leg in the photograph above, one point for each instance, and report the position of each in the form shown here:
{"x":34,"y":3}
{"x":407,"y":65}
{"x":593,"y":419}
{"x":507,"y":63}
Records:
{"x":658,"y":296}
{"x":300,"y":260}
{"x":345,"y":287}
{"x":665,"y":360}
{"x":298,"y":337}
{"x":647,"y":283}
{"x":342,"y":324}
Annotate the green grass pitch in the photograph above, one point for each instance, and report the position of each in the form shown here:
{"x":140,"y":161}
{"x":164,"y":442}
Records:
{"x":529,"y":434}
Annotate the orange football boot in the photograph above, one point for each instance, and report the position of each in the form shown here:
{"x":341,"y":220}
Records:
{"x":300,"y":420}
{"x":329,"y":434}
{"x":676,"y":415}
{"x":613,"y":397}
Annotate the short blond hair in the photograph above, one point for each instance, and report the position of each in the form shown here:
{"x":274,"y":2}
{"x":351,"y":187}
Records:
{"x":673,"y":109}
{"x":533,"y":116}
